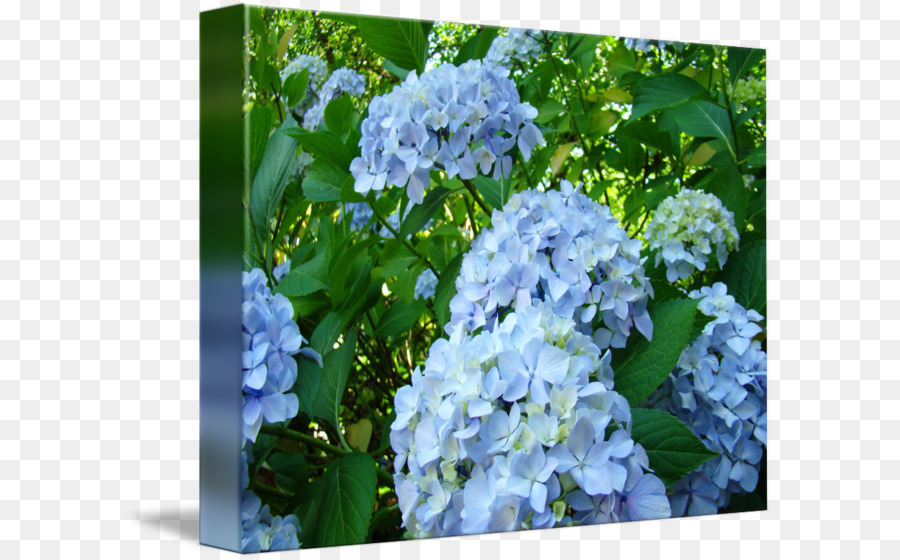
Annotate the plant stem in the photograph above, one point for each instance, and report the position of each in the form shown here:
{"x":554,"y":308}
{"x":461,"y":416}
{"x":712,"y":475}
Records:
{"x":474,"y":193}
{"x":405,"y":241}
{"x":316,"y":442}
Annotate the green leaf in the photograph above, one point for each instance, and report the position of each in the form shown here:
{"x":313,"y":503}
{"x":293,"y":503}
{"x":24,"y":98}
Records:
{"x":260,"y":127}
{"x":334,"y":323}
{"x":621,"y":62}
{"x":395,"y":258}
{"x":348,"y":193}
{"x":673,"y":449}
{"x":274,"y":172}
{"x":290,"y":470}
{"x":402,"y":41}
{"x":495,"y":193}
{"x":349,"y":501}
{"x":477,"y":46}
{"x":338,"y":114}
{"x":745,"y":274}
{"x":305,"y":279}
{"x":324,"y":181}
{"x":421,"y":213}
{"x":360,"y":434}
{"x":324,"y":146}
{"x":309,"y":375}
{"x":663,"y":92}
{"x":399,"y":318}
{"x":703,"y":119}
{"x":657,"y":189}
{"x":643,"y":365}
{"x":335,"y":369}
{"x":349,"y":261}
{"x":446,"y":289}
{"x":401,"y":73}
{"x":294,"y":88}
{"x":741,"y":60}
{"x":727,"y":184}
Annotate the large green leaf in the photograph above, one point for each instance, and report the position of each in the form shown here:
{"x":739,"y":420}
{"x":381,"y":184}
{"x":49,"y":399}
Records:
{"x":336,"y":321}
{"x":260,"y":127}
{"x":703,"y":119}
{"x":745,"y":274}
{"x":339,"y":114}
{"x":335,"y":369}
{"x":421,"y":213}
{"x":643,"y":365}
{"x":446,"y":289}
{"x":323,"y":182}
{"x":274,"y":172}
{"x":673,"y":449}
{"x":294,"y":88}
{"x":309,"y":375}
{"x":621,"y":62}
{"x":402,"y":41}
{"x":399,"y":318}
{"x":325,"y":146}
{"x":727,"y":184}
{"x":663,"y":92}
{"x":477,"y":46}
{"x":348,"y":502}
{"x":495,"y":193}
{"x":741,"y":60}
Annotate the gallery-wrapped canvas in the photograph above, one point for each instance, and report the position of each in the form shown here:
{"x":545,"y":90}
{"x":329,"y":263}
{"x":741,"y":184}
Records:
{"x":487,"y":279}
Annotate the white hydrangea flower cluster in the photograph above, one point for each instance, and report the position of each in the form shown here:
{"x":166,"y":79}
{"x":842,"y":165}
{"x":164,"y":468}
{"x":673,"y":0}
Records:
{"x":342,"y":80}
{"x":506,"y":426}
{"x":517,"y":44}
{"x":562,"y":247}
{"x":718,"y":389}
{"x":686,"y":227}
{"x":459,"y":119}
{"x":749,"y":90}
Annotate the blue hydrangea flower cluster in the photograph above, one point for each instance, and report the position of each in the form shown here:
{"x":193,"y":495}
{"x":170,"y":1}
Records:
{"x":426,"y":284}
{"x":317,"y":71}
{"x":686,"y":227}
{"x":506,"y":426}
{"x":260,"y":530}
{"x":459,"y":119}
{"x":280,"y":271}
{"x":718,"y":389}
{"x":562,"y":247}
{"x":517,"y":44}
{"x":271,"y":338}
{"x":342,"y":80}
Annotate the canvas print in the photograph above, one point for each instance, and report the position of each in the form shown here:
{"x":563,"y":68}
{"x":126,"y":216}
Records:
{"x":496,"y":279}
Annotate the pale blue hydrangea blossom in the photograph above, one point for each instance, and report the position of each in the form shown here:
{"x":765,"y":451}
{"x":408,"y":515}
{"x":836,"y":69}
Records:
{"x":426,"y":284}
{"x":270,"y":340}
{"x":317,"y":71}
{"x":562,"y":247}
{"x":686,"y":228}
{"x":506,"y":426}
{"x":261,"y":531}
{"x":718,"y":389}
{"x":459,"y":119}
{"x":517,"y":44}
{"x":342,"y":80}
{"x":280,"y":271}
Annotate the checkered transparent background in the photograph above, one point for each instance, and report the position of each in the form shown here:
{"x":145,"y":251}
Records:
{"x":99,"y":279}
